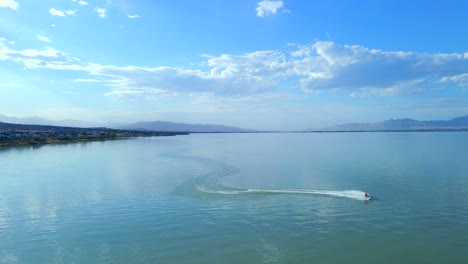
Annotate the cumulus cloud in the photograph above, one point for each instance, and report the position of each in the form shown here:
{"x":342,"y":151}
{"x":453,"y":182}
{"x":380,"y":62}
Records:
{"x":56,"y":12}
{"x":357,"y":67}
{"x":42,"y":38}
{"x":101,"y":12}
{"x":314,"y":68}
{"x":82,"y":2}
{"x":228,"y":75}
{"x":321,"y":66}
{"x":9,"y":3}
{"x":268,"y":7}
{"x":133,"y":16}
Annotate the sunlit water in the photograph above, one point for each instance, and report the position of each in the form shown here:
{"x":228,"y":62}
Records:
{"x":238,"y":198}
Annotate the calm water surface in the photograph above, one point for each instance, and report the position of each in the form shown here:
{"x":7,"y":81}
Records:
{"x":238,"y":198}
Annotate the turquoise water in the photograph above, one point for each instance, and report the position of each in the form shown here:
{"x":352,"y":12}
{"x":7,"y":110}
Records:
{"x":238,"y":198}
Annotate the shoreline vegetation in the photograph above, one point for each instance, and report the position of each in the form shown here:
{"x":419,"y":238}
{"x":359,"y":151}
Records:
{"x":32,"y":135}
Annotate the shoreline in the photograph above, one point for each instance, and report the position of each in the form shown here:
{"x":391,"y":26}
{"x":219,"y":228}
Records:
{"x":35,"y":135}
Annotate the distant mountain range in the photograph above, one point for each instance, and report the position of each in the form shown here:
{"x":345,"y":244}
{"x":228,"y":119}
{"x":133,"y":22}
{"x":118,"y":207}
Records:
{"x":162,"y":126}
{"x":46,"y":122}
{"x":158,"y":126}
{"x":403,"y":124}
{"x":182,"y":127}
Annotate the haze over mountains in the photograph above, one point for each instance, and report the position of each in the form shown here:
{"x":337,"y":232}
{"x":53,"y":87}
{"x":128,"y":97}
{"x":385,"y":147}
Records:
{"x":163,"y":126}
{"x":159,"y":126}
{"x":46,"y":122}
{"x":182,"y":127}
{"x":403,"y":124}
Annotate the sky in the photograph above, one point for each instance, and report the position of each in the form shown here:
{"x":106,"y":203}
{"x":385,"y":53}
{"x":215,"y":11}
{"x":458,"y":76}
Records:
{"x":287,"y":65}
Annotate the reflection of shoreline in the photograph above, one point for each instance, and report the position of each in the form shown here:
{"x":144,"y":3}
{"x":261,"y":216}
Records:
{"x":38,"y":144}
{"x":58,"y":141}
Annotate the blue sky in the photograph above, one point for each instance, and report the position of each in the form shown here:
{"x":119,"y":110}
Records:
{"x":257,"y":64}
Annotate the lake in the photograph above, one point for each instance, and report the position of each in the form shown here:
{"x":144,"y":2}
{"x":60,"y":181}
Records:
{"x":238,"y":198}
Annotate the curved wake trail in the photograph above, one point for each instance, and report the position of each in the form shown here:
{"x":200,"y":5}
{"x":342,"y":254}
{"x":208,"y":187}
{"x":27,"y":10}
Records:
{"x":352,"y":194}
{"x":212,"y":183}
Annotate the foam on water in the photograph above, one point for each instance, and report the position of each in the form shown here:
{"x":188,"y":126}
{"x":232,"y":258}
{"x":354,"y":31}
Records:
{"x":352,"y":194}
{"x":212,"y":183}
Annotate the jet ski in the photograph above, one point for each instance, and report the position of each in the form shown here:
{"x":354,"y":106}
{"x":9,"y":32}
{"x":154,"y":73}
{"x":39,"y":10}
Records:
{"x":367,"y":197}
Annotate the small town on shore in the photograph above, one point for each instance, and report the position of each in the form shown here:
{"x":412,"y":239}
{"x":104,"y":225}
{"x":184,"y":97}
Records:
{"x":19,"y":135}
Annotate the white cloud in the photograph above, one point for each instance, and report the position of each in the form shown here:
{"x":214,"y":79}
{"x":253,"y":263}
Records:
{"x":9,"y":3}
{"x":228,"y":75}
{"x":52,"y":25}
{"x":302,"y":51}
{"x":56,"y":12}
{"x":313,"y":68}
{"x":82,"y":2}
{"x":42,"y":38}
{"x":461,"y":79}
{"x":133,"y":16}
{"x":357,"y":67}
{"x":49,"y":58}
{"x":267,"y":7}
{"x":4,"y":40}
{"x":71,"y":12}
{"x":101,"y":12}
